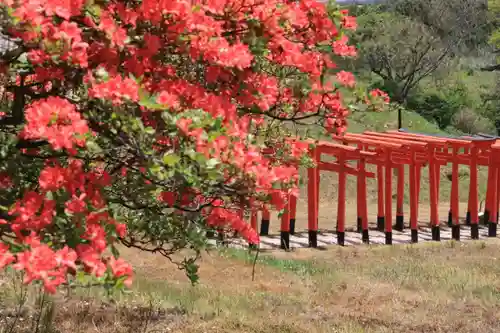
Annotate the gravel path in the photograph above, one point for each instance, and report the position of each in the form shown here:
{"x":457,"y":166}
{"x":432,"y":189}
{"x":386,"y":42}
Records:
{"x":327,"y":238}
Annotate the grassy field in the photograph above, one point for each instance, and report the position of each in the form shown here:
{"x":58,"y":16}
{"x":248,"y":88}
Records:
{"x":388,"y":120}
{"x":448,"y":287}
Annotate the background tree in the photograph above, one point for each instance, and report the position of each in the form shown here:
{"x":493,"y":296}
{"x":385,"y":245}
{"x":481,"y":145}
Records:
{"x":400,"y":50}
{"x":404,"y":42}
{"x":492,"y":98}
{"x":427,"y":54}
{"x":462,"y":25}
{"x":494,"y":40}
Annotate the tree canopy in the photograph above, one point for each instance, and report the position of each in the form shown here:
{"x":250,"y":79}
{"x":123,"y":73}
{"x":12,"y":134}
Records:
{"x":494,"y":17}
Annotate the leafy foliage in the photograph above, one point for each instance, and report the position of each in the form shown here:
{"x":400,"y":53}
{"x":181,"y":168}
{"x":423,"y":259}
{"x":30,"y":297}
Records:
{"x":494,"y":16}
{"x":440,"y":105}
{"x":400,"y":50}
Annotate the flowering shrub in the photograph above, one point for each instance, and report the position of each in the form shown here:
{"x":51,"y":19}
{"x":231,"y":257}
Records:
{"x":135,"y":121}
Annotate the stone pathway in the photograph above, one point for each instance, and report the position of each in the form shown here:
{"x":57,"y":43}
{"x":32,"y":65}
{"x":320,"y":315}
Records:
{"x":300,"y":239}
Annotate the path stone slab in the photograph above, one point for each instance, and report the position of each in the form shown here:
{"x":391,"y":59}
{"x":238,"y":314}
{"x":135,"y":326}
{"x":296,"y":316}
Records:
{"x":326,"y":238}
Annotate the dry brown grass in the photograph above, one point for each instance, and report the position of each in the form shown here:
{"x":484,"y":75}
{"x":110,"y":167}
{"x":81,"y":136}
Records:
{"x":448,"y":287}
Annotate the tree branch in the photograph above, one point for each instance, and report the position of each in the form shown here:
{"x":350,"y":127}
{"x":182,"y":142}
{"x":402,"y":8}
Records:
{"x":491,"y":68}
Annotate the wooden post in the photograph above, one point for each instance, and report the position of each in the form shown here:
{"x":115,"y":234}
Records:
{"x":293,"y":213}
{"x":388,"y":197}
{"x":341,"y":200}
{"x":364,"y":207}
{"x":285,"y":225}
{"x":380,"y":198}
{"x":265,"y":221}
{"x":312,"y":181}
{"x":413,"y":198}
{"x":433,"y":195}
{"x":400,"y":199}
{"x":454,"y":205}
{"x":473,"y":196}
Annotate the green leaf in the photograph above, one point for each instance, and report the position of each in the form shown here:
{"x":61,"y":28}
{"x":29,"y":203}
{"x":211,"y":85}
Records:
{"x":218,"y":123}
{"x":213,"y":174}
{"x":81,"y":277}
{"x":23,"y":58}
{"x":155,"y":169}
{"x":212,"y":163}
{"x":171,"y":159}
{"x":115,"y":251}
{"x":94,"y":10}
{"x":191,"y":270}
{"x":200,"y":158}
{"x":102,"y":74}
{"x":149,"y":101}
{"x":93,"y":147}
{"x":149,"y":130}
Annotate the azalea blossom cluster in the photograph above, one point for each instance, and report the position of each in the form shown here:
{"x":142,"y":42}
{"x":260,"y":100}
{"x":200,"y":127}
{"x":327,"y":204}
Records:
{"x":84,"y":207}
{"x":159,"y":97}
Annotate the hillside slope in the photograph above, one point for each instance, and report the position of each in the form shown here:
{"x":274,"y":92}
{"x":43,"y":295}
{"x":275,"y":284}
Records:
{"x":388,"y":120}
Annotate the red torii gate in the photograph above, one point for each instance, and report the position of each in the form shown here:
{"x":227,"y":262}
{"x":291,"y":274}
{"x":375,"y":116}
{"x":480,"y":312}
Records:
{"x":343,"y":153}
{"x":476,"y":152}
{"x":438,"y":154}
{"x":389,"y":150}
{"x":396,"y":153}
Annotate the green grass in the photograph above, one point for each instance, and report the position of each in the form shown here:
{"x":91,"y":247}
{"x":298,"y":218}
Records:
{"x":388,"y":120}
{"x":299,"y":267}
{"x":361,"y":121}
